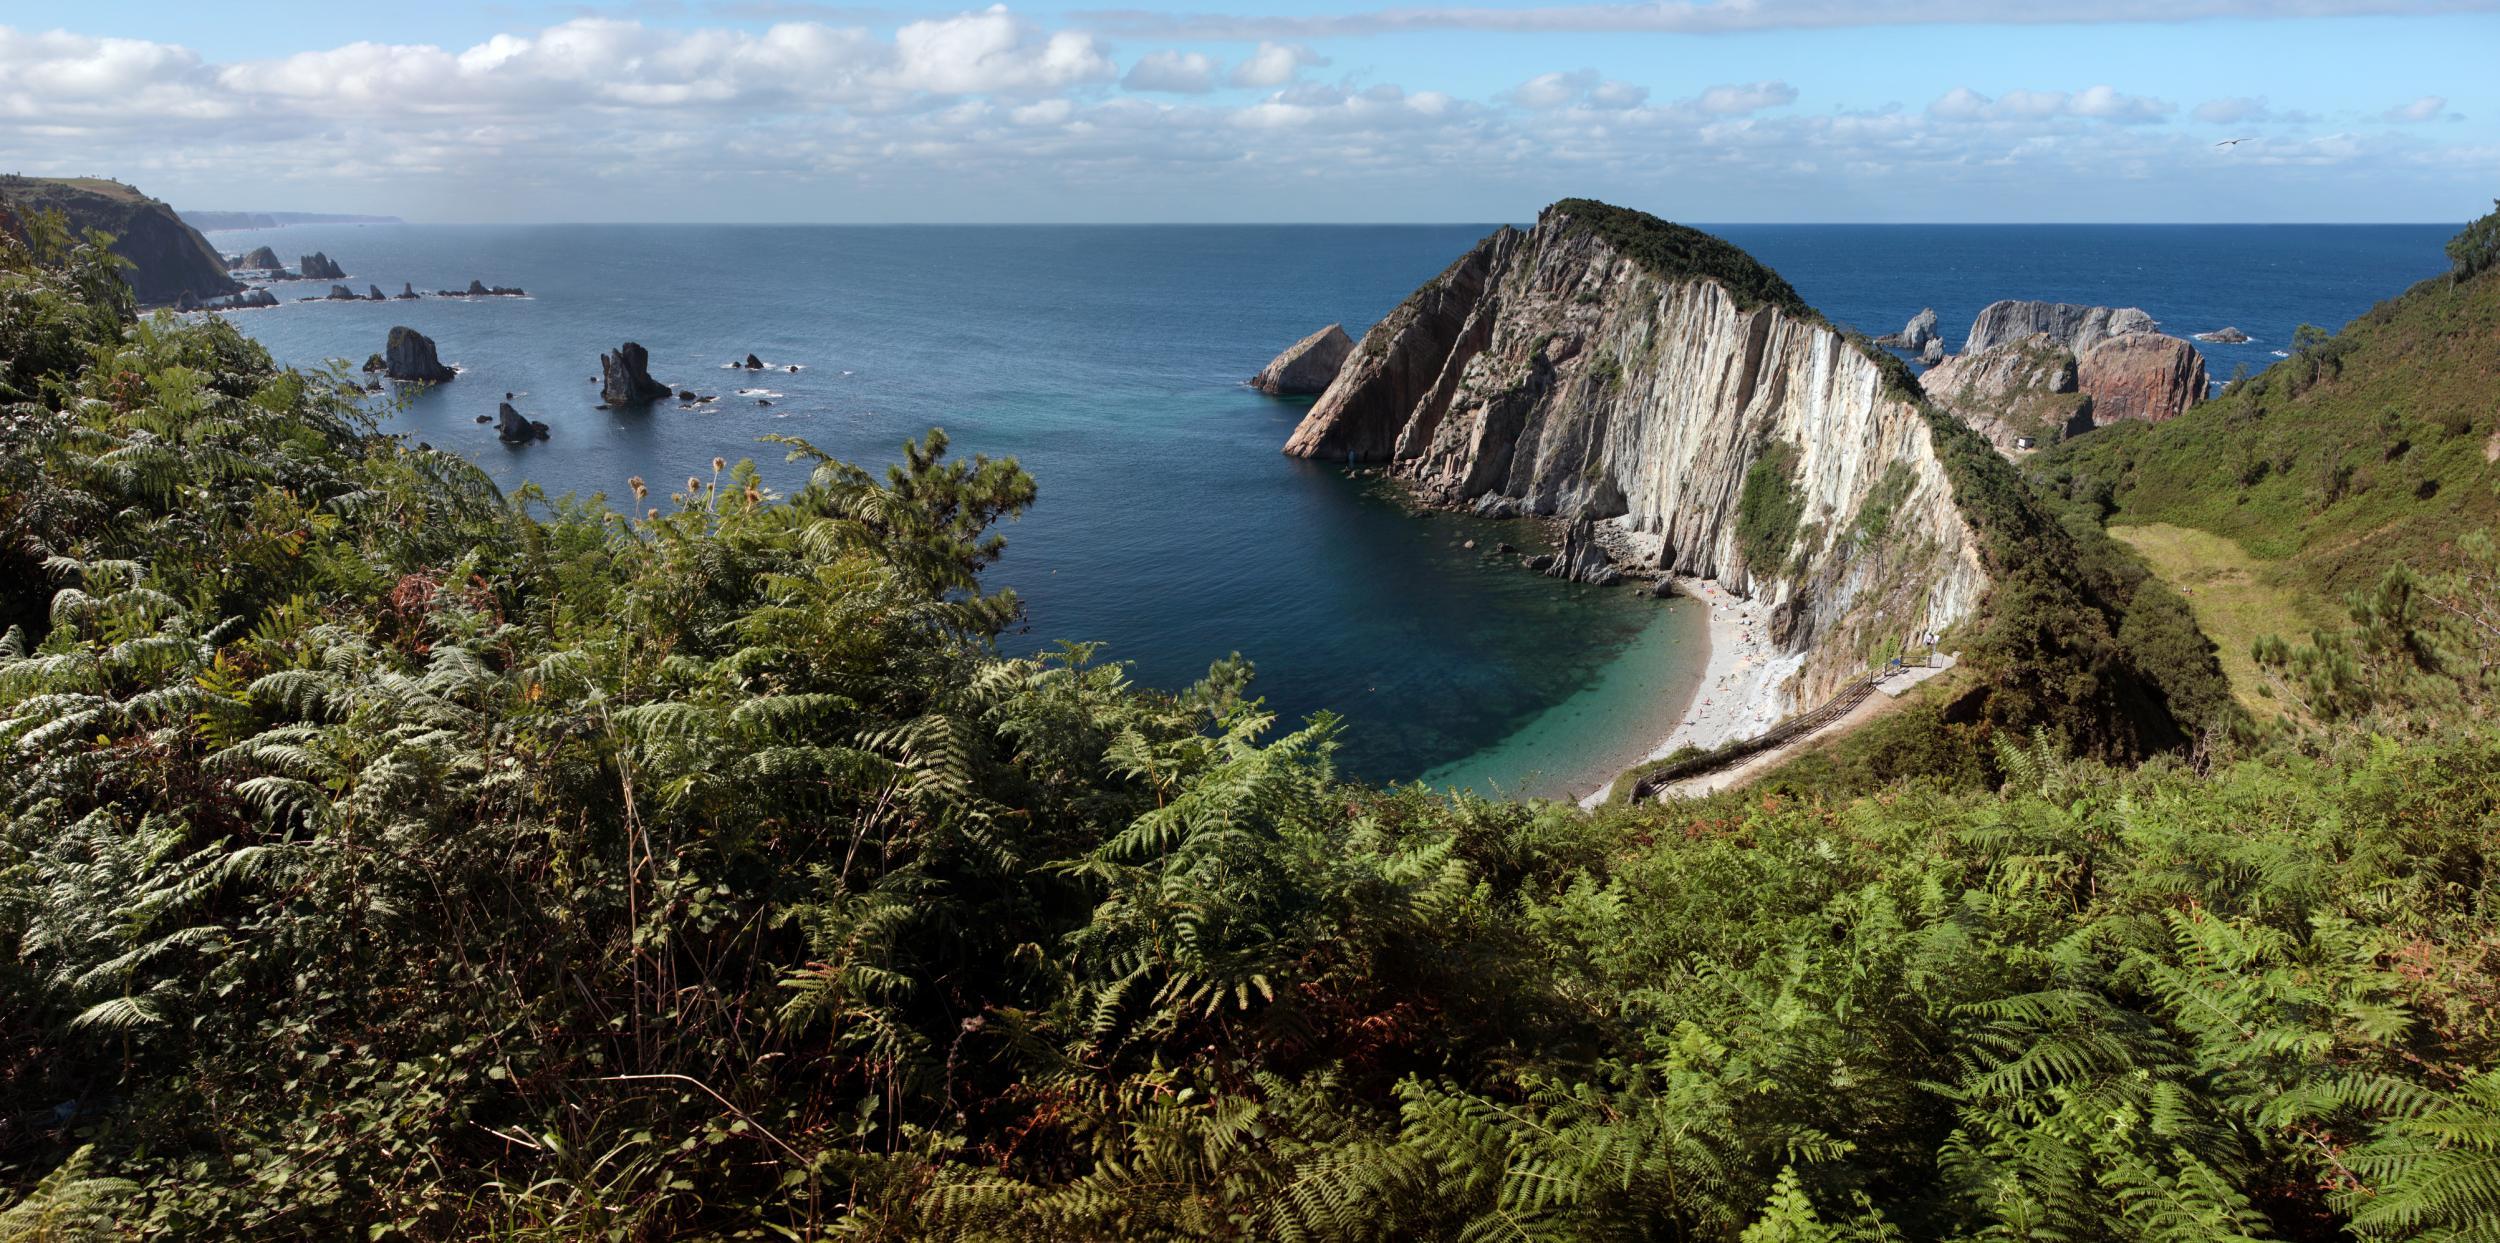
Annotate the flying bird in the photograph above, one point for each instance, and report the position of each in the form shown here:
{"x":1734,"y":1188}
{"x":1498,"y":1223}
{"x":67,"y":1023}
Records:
{"x":2231,"y":142}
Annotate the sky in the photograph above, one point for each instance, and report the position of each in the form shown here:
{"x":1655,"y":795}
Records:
{"x":1282,"y":110}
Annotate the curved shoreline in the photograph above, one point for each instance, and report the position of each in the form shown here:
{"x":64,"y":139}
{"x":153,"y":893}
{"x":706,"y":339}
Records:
{"x":1738,"y":694}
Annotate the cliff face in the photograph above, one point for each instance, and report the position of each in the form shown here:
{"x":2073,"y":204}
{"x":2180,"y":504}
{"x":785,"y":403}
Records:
{"x":1608,"y":364}
{"x":169,"y":258}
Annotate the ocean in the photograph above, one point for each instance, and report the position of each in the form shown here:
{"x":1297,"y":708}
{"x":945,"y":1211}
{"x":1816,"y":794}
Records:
{"x":1109,"y":360}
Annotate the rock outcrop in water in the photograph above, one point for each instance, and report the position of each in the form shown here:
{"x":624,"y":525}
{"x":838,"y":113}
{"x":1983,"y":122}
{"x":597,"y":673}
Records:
{"x":2078,"y":328}
{"x":1609,"y":366}
{"x":625,"y":377}
{"x":512,"y":429}
{"x":409,"y":356}
{"x":318,"y":267}
{"x":2142,"y":375}
{"x":261,"y":259}
{"x":1307,"y":366}
{"x":1917,"y":335}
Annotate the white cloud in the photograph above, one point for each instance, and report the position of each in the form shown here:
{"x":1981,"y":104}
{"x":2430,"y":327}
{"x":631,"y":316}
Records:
{"x":1274,"y":64}
{"x":2427,"y":108}
{"x":2097,"y":103}
{"x":990,"y":52}
{"x":2243,"y":110}
{"x":1724,"y":16}
{"x":1579,"y":88}
{"x":1180,"y":73}
{"x":1751,"y":97}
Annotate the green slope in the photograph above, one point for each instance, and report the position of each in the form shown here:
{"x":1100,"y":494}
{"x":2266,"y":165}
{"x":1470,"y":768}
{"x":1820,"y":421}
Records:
{"x":2370,"y":448}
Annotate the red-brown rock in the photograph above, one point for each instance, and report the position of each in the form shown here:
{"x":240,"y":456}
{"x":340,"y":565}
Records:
{"x":2142,"y":375}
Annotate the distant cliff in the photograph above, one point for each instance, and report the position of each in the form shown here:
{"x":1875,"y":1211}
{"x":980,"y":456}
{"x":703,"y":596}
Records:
{"x":1609,"y":364}
{"x":168,"y":258}
{"x":226,"y":221}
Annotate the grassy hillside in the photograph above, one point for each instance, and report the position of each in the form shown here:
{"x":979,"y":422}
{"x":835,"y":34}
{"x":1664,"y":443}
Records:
{"x":2376,"y":446}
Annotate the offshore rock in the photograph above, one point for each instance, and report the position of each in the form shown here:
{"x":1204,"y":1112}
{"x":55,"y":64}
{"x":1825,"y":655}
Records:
{"x":2020,"y":390}
{"x":409,"y":356}
{"x":753,"y":363}
{"x":2078,"y":328}
{"x":2144,"y":376}
{"x":1915,"y":335}
{"x":2224,"y":336}
{"x":1307,"y":366}
{"x":512,"y":429}
{"x":625,"y":377}
{"x":1610,"y":366}
{"x":262,"y":259}
{"x":1932,"y":353}
{"x":341,"y":293}
{"x":317,"y":267}
{"x":407,"y":292}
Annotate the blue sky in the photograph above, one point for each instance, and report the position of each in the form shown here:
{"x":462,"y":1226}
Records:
{"x":1108,"y":110}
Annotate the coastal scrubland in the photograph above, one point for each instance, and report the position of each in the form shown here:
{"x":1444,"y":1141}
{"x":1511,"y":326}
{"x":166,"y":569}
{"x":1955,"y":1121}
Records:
{"x":382,"y":856}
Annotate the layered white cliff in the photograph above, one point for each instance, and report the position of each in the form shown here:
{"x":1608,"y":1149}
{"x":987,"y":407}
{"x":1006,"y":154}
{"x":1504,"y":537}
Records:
{"x":1602,"y":365}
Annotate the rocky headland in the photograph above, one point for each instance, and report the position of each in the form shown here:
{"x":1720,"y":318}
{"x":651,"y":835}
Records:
{"x":1306,"y":367}
{"x":1673,"y":400}
{"x":169,"y":259}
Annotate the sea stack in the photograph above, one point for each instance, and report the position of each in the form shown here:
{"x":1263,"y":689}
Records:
{"x":1307,"y":366}
{"x":1649,"y":383}
{"x":318,"y":267}
{"x":512,"y":429}
{"x":409,"y":356}
{"x":1916,"y":335}
{"x":260,"y":260}
{"x":2143,"y":375}
{"x":625,"y":377}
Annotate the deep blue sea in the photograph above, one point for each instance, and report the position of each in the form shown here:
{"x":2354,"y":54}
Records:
{"x":1109,"y":360}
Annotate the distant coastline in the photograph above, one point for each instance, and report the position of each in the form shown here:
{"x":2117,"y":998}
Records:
{"x":238,"y":221}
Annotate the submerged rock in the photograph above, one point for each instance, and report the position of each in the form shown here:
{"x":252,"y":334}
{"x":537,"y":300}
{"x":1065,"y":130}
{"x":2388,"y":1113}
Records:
{"x":625,"y":377}
{"x":409,"y":356}
{"x":2078,"y":328}
{"x":1307,"y":367}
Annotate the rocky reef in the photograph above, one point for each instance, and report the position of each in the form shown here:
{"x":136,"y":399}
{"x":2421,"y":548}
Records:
{"x":168,"y":258}
{"x":1657,"y":383}
{"x":1307,"y":366}
{"x":480,"y":289}
{"x":2078,"y":328}
{"x":319,"y":267}
{"x":625,"y":377}
{"x":2224,"y":336}
{"x":409,"y":356}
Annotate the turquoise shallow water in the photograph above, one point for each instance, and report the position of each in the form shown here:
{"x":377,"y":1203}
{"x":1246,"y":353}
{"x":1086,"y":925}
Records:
{"x":1109,"y":360}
